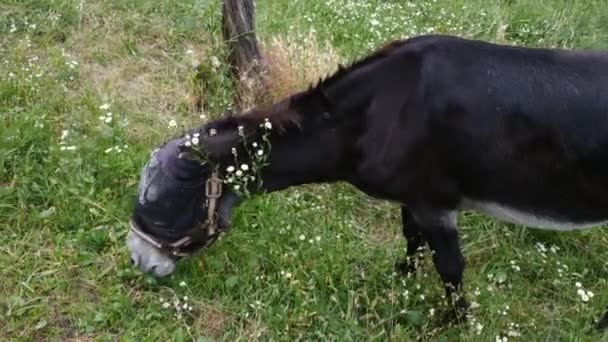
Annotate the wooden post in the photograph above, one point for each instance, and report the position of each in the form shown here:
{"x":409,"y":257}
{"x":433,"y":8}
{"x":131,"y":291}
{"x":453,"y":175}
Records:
{"x":238,"y":22}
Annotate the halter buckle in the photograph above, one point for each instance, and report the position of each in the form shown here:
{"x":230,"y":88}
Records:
{"x":213,"y":187}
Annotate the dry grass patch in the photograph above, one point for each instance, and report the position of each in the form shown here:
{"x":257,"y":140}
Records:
{"x":213,"y":322}
{"x":295,"y":62}
{"x":291,"y":64}
{"x":147,"y":76}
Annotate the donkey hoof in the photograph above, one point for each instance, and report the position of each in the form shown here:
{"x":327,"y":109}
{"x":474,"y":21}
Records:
{"x":602,"y":324}
{"x":405,"y":268}
{"x":457,"y":313}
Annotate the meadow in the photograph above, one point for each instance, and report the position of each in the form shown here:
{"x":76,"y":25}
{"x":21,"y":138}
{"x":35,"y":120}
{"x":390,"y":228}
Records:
{"x":89,"y":88}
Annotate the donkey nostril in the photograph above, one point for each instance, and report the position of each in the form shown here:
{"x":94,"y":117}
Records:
{"x":134,"y":261}
{"x":153,"y":268}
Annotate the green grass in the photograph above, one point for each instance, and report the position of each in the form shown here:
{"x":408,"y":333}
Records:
{"x":312,"y":263}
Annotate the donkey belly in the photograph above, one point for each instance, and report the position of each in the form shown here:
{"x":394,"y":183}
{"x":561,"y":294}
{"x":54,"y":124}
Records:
{"x":531,"y":218}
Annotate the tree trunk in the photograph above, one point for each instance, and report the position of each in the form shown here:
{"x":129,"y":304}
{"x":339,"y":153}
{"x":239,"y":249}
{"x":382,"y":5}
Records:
{"x":238,"y":21}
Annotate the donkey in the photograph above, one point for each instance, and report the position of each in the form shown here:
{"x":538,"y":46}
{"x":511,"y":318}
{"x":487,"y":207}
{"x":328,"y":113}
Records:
{"x":438,"y":124}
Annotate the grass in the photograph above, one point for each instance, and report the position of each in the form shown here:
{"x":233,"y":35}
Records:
{"x":312,"y":263}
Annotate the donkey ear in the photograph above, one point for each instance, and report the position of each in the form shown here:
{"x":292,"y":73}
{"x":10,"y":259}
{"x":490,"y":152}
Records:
{"x":221,"y":144}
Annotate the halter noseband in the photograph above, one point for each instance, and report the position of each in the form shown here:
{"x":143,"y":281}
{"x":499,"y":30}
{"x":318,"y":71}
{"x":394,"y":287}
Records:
{"x":213,"y":191}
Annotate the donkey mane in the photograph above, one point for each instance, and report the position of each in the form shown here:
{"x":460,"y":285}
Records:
{"x":283,"y":113}
{"x":375,"y":56}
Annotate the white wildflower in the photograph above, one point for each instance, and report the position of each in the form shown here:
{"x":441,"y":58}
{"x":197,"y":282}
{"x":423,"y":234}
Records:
{"x":260,"y":152}
{"x":166,"y":305}
{"x":182,"y":284}
{"x":244,"y":167}
{"x":172,"y":123}
{"x":541,"y":247}
{"x":104,"y":106}
{"x":318,"y":238}
{"x":239,"y":173}
{"x":108,"y":119}
{"x":302,"y":237}
{"x":237,"y":187}
{"x":195,"y":141}
{"x":188,"y":143}
{"x":189,"y":52}
{"x":267,"y":124}
{"x":512,"y":330}
{"x":255,"y":144}
{"x":578,"y":284}
{"x":212,"y":132}
{"x":241,"y":130}
{"x":584,"y":295}
{"x":215,"y":62}
{"x":230,"y":169}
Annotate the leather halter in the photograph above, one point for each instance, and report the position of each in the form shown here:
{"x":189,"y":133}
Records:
{"x":207,"y":230}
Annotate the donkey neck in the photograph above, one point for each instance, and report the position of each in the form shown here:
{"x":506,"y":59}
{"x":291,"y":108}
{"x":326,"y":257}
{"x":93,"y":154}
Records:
{"x":322,"y":148}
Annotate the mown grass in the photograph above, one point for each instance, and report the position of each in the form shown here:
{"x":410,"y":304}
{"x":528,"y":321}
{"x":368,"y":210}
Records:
{"x":313,"y":263}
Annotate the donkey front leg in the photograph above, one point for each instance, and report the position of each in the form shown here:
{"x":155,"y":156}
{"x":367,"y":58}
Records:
{"x":415,"y":241}
{"x":439,"y":229}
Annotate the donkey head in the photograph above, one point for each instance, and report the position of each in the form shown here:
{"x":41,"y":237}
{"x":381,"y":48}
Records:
{"x":181,"y":208}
